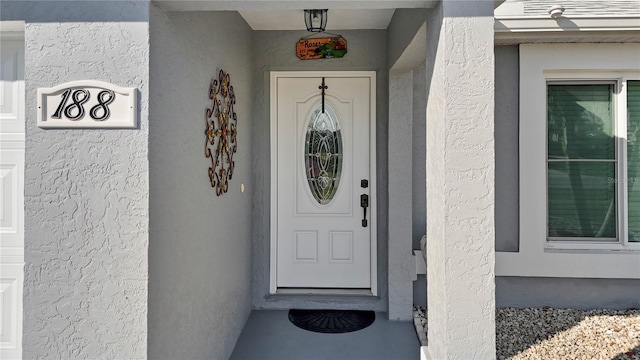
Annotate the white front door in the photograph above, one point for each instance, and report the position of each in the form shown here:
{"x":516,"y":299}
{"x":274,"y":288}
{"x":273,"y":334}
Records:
{"x":323,"y":226}
{"x":12,"y":132}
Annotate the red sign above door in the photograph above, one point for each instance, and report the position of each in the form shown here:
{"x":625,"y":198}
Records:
{"x":321,"y":48}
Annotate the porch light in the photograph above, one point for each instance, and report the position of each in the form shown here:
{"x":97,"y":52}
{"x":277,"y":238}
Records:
{"x":316,"y":19}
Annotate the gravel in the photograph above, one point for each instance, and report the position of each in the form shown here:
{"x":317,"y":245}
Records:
{"x":549,"y":333}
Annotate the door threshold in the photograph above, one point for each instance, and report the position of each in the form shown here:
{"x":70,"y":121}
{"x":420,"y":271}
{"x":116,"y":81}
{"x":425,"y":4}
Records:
{"x":314,"y":291}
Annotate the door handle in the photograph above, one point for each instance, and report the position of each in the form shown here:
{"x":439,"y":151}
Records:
{"x":364,"y":202}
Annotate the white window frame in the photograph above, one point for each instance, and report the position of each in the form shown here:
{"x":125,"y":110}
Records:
{"x":539,"y":65}
{"x":620,"y":122}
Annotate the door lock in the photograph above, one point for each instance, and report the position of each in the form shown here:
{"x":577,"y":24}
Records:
{"x":364,"y":202}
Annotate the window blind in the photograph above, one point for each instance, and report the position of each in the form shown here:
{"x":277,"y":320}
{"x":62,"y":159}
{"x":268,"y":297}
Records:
{"x":581,"y":163}
{"x":633,"y":159}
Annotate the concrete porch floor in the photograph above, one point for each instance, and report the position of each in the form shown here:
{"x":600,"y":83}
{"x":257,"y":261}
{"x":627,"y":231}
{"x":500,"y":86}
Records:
{"x":268,"y":334}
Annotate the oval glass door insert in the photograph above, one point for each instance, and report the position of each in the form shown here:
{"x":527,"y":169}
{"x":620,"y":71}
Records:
{"x":323,"y":154}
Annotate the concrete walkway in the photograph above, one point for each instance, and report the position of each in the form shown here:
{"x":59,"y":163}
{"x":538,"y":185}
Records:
{"x":269,"y":335}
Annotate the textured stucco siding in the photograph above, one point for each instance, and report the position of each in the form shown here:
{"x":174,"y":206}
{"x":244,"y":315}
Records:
{"x":584,"y":7}
{"x":435,"y":180}
{"x":407,"y":162}
{"x":460,"y":180}
{"x":86,"y":191}
{"x":274,"y":51}
{"x":200,"y":243}
{"x":401,"y":263}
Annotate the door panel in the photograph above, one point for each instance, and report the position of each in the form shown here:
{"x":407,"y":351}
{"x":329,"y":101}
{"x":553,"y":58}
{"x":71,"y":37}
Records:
{"x":12,"y":88}
{"x":321,"y":241}
{"x":11,"y":196}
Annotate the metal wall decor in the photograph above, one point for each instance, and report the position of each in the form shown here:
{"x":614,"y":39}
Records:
{"x":323,"y":87}
{"x":221,"y":132}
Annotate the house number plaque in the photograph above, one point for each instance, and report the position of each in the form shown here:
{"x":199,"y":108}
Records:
{"x":87,"y":104}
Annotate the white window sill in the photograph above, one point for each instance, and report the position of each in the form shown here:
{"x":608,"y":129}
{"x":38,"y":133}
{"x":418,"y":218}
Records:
{"x":569,"y":263}
{"x":585,"y":247}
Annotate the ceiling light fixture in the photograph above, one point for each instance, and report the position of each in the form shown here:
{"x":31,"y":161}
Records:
{"x":316,"y":20}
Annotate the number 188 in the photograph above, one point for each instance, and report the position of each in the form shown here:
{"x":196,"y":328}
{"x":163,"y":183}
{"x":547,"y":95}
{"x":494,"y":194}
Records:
{"x":75,"y":111}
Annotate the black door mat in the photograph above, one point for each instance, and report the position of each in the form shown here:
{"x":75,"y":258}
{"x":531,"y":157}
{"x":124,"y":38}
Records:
{"x":332,"y":321}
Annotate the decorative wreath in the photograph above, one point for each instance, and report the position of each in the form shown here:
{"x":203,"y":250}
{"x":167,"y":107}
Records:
{"x":221,"y":132}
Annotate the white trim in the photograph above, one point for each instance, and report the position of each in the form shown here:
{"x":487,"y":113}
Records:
{"x":12,"y":30}
{"x":273,"y":268}
{"x":373,"y":223}
{"x":8,"y":138}
{"x":12,"y":35}
{"x":424,"y":353}
{"x":373,"y":184}
{"x":511,"y":24}
{"x":12,"y":253}
{"x":539,"y":63}
{"x":421,"y":264}
{"x":513,"y":30}
{"x":304,"y":291}
{"x":621,"y":153}
{"x":230,"y":5}
{"x":569,"y":265}
{"x":12,"y":152}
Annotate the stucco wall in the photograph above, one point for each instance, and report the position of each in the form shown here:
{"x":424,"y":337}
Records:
{"x":401,"y":263}
{"x":86,"y":191}
{"x":401,"y":30}
{"x":274,"y":51}
{"x":406,"y":41}
{"x":567,"y":293}
{"x":506,"y":146}
{"x":435,"y":110}
{"x":419,"y":173}
{"x":460,"y":180}
{"x":200,"y":243}
{"x":419,"y":156}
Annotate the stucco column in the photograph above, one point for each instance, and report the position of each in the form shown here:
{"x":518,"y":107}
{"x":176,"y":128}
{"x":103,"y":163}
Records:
{"x":86,"y":190}
{"x":460,"y":181}
{"x":401,"y":263}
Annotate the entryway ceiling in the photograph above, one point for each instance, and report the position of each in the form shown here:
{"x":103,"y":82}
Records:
{"x":289,"y":14}
{"x":337,"y":19}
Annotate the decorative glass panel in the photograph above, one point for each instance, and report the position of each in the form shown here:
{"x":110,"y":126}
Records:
{"x":323,"y":154}
{"x":633,"y":158}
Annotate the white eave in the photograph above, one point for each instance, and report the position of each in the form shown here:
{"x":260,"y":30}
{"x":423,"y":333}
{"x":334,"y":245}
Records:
{"x":230,"y":5}
{"x":537,"y":24}
{"x":519,"y":29}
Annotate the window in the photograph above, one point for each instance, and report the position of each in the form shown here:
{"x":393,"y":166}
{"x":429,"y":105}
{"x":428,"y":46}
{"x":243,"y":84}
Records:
{"x":579,"y":105}
{"x":633,"y":160}
{"x":584,"y":165}
{"x":581,"y":162}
